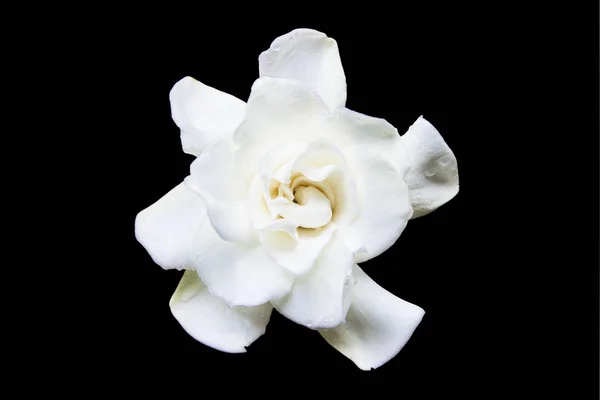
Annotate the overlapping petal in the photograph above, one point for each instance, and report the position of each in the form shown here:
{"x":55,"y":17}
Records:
{"x":215,"y":176}
{"x":384,"y":204}
{"x":378,"y":324}
{"x":241,"y":273}
{"x":166,"y":228}
{"x":351,"y":129}
{"x":281,"y":111}
{"x":211,"y":321}
{"x":297,"y":255}
{"x":320,"y":299}
{"x":203,"y":113}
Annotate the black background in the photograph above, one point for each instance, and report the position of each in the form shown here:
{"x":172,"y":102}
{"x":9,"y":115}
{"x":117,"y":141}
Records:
{"x":507,"y":271}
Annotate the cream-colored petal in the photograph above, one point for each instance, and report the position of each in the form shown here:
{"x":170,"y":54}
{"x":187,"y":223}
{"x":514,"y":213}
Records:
{"x":167,"y":227}
{"x":211,"y":321}
{"x":433,"y":176}
{"x":241,"y":273}
{"x":384,"y":204}
{"x":320,"y":299}
{"x":216,"y":177}
{"x":312,"y":210}
{"x":310,"y":57}
{"x":350,"y":129}
{"x":377,"y":327}
{"x":281,"y":111}
{"x":203,"y":113}
{"x":297,"y":254}
{"x":319,"y":160}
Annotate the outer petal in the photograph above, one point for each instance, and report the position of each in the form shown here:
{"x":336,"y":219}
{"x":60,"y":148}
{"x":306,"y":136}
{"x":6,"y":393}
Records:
{"x":281,"y":111}
{"x":377,"y":326}
{"x":240,"y":273}
{"x":215,"y":176}
{"x":370,"y":134}
{"x":320,"y":299}
{"x":310,"y":57}
{"x":202,"y":113}
{"x":167,"y":227}
{"x":217,"y":171}
{"x":384,"y":203}
{"x":212,"y":321}
{"x":433,"y":177}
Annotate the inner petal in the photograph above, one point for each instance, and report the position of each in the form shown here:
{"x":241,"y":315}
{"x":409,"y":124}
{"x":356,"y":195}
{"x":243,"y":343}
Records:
{"x":322,"y":186}
{"x":319,"y":160}
{"x":311,"y":209}
{"x":286,"y":192}
{"x":284,"y":172}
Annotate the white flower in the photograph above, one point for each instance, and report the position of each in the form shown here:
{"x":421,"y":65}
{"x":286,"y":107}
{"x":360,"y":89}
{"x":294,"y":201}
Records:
{"x":288,"y":192}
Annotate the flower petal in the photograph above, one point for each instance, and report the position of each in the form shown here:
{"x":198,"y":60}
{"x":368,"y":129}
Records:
{"x":203,"y":113}
{"x":377,"y":327}
{"x":384,"y":203}
{"x":356,"y":130}
{"x":296,"y":254}
{"x":277,"y":163}
{"x":210,"y":320}
{"x":215,"y":176}
{"x":323,"y":163}
{"x":260,"y":217}
{"x":319,"y":160}
{"x":320,"y":299}
{"x":312,"y":210}
{"x":167,"y":227}
{"x":228,"y":218}
{"x":216,"y":171}
{"x":310,"y":57}
{"x":241,"y":273}
{"x":433,"y":177}
{"x":281,"y":111}
{"x":343,"y":186}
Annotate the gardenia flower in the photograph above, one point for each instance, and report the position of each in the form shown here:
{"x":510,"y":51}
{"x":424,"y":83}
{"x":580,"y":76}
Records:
{"x":288,"y":193}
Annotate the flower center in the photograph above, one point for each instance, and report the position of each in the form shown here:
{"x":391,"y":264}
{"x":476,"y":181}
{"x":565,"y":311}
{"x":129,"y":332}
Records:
{"x":307,"y":203}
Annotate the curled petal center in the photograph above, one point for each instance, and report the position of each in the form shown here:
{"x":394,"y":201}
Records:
{"x":306,"y":203}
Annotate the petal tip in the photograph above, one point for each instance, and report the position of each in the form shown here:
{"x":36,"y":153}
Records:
{"x":181,"y":84}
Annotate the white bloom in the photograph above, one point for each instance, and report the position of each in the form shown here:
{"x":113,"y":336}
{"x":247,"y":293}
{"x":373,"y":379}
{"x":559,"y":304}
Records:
{"x":289,"y":191}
